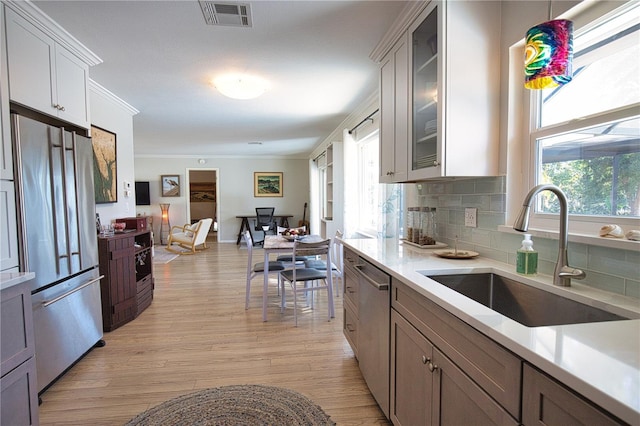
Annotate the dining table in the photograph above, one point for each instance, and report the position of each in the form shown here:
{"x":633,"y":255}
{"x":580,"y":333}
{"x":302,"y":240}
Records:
{"x":278,"y":244}
{"x":244,"y":223}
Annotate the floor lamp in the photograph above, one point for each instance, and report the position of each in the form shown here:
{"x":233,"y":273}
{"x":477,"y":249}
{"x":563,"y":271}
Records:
{"x":165,"y":226}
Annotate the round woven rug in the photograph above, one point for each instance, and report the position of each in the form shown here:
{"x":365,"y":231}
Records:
{"x":236,"y":405}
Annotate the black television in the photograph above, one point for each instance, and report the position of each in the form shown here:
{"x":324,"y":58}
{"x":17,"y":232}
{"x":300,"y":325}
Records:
{"x":142,"y":194}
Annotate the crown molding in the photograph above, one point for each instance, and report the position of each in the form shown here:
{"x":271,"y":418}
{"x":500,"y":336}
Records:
{"x":44,"y":23}
{"x":102,"y":91}
{"x":397,"y":29}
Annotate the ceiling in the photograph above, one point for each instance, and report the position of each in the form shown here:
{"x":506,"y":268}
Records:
{"x":160,"y":57}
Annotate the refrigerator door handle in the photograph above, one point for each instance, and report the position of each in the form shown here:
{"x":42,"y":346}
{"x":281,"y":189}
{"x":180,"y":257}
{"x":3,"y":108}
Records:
{"x":65,"y":200}
{"x":55,"y":209}
{"x":76,"y":198}
{"x":69,"y":293}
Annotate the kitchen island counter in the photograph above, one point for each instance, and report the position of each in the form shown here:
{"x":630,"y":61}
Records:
{"x":601,"y":360}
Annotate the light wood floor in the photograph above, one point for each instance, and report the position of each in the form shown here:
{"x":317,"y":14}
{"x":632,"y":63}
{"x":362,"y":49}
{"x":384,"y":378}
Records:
{"x":196,"y":334}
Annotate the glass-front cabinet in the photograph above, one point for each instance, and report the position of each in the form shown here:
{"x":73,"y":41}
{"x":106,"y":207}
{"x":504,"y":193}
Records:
{"x":424,"y":132}
{"x":454,"y":90}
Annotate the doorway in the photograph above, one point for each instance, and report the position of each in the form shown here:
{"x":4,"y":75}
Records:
{"x":203,"y":198}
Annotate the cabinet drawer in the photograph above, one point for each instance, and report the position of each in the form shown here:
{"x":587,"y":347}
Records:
{"x":351,"y":287}
{"x":494,"y":368}
{"x":350,"y":328}
{"x":16,"y":323}
{"x":547,"y":402}
{"x":145,"y":285}
{"x":145,"y":294}
{"x":351,"y":279}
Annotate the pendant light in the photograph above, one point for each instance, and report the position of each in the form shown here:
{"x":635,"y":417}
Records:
{"x":548,"y":54}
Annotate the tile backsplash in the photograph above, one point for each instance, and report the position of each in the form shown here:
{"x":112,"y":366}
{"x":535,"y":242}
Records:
{"x":612,"y":270}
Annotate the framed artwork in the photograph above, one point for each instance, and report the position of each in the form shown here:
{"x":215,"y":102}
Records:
{"x":267,"y":184}
{"x":202,"y":192}
{"x":104,"y":165}
{"x":170,"y":185}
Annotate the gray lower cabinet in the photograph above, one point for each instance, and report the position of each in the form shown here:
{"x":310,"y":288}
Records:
{"x":411,"y":380}
{"x":445,"y":372}
{"x":350,"y":300}
{"x":19,"y":400}
{"x":427,"y":388}
{"x":497,"y":371}
{"x":547,"y":402}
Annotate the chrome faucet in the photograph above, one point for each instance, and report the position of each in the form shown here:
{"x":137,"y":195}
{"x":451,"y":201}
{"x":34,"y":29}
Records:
{"x":563,"y":273}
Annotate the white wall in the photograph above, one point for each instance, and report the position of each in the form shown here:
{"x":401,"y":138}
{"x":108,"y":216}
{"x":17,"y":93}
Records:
{"x":112,"y":114}
{"x":235,"y":182}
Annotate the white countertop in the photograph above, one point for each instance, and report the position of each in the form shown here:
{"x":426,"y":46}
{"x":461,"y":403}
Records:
{"x":599,"y":360}
{"x":8,"y":279}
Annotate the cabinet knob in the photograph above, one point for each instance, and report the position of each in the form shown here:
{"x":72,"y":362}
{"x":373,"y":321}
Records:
{"x":432,"y":367}
{"x":436,"y":163}
{"x":58,"y":107}
{"x":425,"y":359}
{"x":390,"y":173}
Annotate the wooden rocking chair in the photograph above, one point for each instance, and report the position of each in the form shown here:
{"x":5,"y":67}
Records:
{"x":189,"y":237}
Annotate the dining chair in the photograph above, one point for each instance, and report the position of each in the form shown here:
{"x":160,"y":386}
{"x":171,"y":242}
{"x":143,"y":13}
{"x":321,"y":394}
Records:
{"x":307,"y":276}
{"x":337,"y":255}
{"x":264,"y":221}
{"x":255,"y":269}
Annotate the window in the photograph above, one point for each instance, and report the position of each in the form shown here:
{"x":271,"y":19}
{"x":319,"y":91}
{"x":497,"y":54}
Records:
{"x":368,"y":186}
{"x":585,"y":136}
{"x":372,"y":209}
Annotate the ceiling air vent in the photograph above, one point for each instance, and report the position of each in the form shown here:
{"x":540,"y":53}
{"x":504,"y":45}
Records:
{"x":227,"y":14}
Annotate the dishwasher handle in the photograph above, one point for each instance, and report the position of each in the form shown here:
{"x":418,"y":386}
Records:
{"x":377,"y":285}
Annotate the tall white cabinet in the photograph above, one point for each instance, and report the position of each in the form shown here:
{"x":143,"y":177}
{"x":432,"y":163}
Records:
{"x":43,"y":69}
{"x":8,"y":225}
{"x":439,"y":91}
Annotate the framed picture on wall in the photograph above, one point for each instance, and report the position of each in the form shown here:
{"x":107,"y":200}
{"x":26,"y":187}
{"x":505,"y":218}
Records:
{"x":104,"y":165}
{"x":170,"y":185}
{"x":267,"y":184}
{"x":202,"y":192}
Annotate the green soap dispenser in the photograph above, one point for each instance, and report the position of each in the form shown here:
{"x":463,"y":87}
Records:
{"x":527,"y":257}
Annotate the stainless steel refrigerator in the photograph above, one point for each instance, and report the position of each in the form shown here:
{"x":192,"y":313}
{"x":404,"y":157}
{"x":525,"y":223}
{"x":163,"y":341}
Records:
{"x":56,"y":209}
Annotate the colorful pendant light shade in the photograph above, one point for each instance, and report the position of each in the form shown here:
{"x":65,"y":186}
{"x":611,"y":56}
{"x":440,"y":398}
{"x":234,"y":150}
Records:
{"x":548,"y":54}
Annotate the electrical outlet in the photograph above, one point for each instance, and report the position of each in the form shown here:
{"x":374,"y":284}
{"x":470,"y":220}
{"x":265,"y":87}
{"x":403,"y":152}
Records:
{"x":471,"y":217}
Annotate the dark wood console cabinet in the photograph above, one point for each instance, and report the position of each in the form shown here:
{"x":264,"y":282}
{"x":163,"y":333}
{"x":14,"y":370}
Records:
{"x":127,"y":286}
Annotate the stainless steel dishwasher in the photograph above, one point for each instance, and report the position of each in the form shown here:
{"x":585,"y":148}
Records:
{"x":374,"y":307}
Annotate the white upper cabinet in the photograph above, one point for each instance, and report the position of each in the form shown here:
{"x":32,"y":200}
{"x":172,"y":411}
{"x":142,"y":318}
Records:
{"x":450,"y":114}
{"x":44,"y":74}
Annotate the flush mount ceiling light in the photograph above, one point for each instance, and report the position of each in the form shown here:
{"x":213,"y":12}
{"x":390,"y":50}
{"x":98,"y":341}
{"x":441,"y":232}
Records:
{"x":240,"y":86}
{"x":548,"y":54}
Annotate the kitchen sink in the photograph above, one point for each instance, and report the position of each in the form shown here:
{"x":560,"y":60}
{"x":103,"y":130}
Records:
{"x":523,"y":303}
